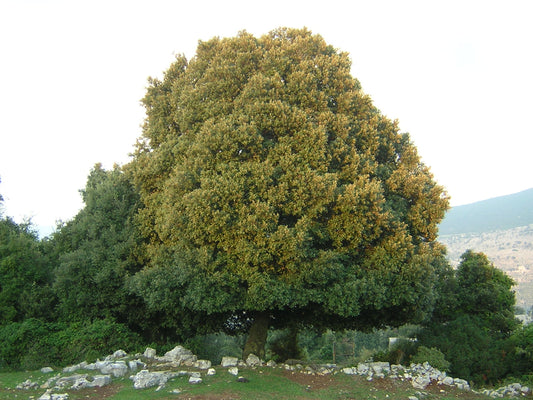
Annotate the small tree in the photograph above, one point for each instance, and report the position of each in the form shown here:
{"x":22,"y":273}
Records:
{"x":95,"y":253}
{"x":275,"y":193}
{"x":474,"y":319}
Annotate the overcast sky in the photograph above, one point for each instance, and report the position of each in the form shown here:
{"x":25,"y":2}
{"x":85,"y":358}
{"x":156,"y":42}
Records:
{"x":458,"y":75}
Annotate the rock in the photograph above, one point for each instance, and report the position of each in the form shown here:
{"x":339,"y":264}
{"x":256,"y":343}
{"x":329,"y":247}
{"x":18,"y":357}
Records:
{"x":145,"y":379}
{"x":253,"y":361}
{"x":68,"y":381}
{"x":48,"y":395}
{"x":362,"y":368}
{"x":211,"y":372}
{"x":413,"y":398}
{"x":46,"y":370}
{"x":233,"y":371}
{"x":100,"y":380}
{"x":420,"y":382}
{"x":195,"y":374}
{"x":135,"y":365}
{"x":195,"y":380}
{"x":49,"y":382}
{"x":117,"y":369}
{"x":72,"y":368}
{"x":27,"y":384}
{"x":229,"y":361}
{"x":271,"y":364}
{"x":461,"y":384}
{"x":149,"y":353}
{"x":80,"y":383}
{"x":380,"y":367}
{"x":180,"y":355}
{"x":350,"y":371}
{"x":120,"y":354}
{"x":203,"y":364}
{"x":242,"y":379}
{"x":448,"y":381}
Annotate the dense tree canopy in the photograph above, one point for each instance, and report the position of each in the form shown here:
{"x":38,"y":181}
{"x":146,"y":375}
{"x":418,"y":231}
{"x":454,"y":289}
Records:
{"x":24,"y":274}
{"x":274,"y":190}
{"x":95,"y":251}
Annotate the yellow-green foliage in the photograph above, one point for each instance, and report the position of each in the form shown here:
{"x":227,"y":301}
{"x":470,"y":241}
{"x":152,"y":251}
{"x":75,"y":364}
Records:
{"x":271,"y":182}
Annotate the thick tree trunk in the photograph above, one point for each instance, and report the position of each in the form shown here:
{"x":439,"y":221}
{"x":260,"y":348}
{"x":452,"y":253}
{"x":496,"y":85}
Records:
{"x":257,"y":336}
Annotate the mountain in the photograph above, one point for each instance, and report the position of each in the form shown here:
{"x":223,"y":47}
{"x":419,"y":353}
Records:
{"x":499,"y":213}
{"x":502,"y":228}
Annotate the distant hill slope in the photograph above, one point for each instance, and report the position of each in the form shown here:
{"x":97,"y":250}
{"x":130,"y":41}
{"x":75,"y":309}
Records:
{"x":502,"y":228}
{"x":499,"y":213}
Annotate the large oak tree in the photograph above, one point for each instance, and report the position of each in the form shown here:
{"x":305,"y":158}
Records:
{"x":276,"y":193}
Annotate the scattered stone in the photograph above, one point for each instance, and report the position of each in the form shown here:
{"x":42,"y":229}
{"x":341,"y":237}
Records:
{"x":72,"y":368}
{"x":149,"y":353}
{"x":195,"y":380}
{"x":448,"y":381}
{"x":136,"y":364}
{"x":48,"y":395}
{"x":420,"y":382}
{"x":46,"y":370}
{"x":145,"y":379}
{"x":229,"y":361}
{"x":117,"y":369}
{"x":68,"y":381}
{"x":180,"y":355}
{"x":271,"y":364}
{"x":242,"y":379}
{"x":27,"y":385}
{"x":233,"y":371}
{"x":119,"y":354}
{"x":350,"y":371}
{"x":253,"y":361}
{"x":413,"y":398}
{"x":203,"y":364}
{"x":211,"y":372}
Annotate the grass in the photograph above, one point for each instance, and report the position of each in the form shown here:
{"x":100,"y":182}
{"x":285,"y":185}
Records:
{"x":263,"y":383}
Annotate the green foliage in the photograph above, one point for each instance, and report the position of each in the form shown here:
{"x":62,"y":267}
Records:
{"x":283,"y":345}
{"x":433,"y":356}
{"x":522,"y":360}
{"x":215,"y":346}
{"x":24,"y":274}
{"x":33,"y":343}
{"x":474,"y":319}
{"x":401,"y":353}
{"x":271,"y":183}
{"x":95,"y":253}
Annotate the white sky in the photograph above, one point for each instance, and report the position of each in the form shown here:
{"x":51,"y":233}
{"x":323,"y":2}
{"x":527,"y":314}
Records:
{"x":458,"y":75}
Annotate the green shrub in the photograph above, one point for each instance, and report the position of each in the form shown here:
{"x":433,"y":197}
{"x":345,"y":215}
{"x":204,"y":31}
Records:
{"x":433,"y":356}
{"x":31,"y":344}
{"x":400,"y":353}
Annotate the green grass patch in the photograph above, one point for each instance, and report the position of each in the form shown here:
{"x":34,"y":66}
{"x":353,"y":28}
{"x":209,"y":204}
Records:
{"x":263,"y":384}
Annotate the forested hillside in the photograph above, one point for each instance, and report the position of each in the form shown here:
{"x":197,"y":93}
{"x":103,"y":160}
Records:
{"x":502,"y":228}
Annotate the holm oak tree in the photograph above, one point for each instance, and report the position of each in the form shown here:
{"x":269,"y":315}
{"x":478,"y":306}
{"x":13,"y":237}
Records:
{"x":276,"y":193}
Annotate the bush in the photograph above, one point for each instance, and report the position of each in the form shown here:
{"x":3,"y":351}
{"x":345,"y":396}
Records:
{"x":433,"y":356}
{"x":33,"y":343}
{"x":401,"y":352}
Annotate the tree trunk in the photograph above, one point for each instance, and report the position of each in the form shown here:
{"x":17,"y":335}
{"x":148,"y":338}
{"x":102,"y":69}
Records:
{"x":255,"y":344}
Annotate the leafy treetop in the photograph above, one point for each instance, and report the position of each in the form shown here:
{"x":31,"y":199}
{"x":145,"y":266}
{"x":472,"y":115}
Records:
{"x":271,"y":184}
